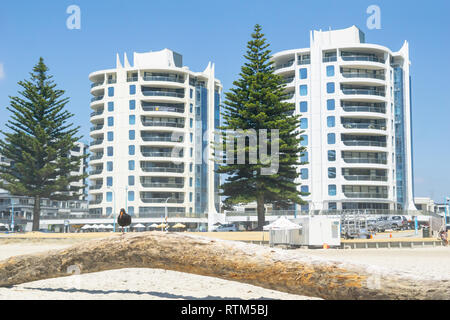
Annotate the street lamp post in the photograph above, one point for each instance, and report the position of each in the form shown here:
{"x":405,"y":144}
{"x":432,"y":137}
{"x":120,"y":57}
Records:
{"x":445,"y":213}
{"x":12,"y":212}
{"x":166,"y":214}
{"x":114,"y":207}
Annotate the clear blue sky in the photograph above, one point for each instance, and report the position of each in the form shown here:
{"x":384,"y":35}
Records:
{"x":218,"y":31}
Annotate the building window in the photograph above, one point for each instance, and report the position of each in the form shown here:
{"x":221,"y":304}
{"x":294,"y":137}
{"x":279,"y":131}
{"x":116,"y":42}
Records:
{"x":191,"y":93}
{"x":330,"y":87}
{"x":110,"y":121}
{"x":110,"y":136}
{"x":190,"y":167}
{"x":132,"y":89}
{"x":332,"y":206}
{"x":191,"y":137}
{"x":192,"y":152}
{"x":331,"y":138}
{"x":331,"y":173}
{"x":108,"y":210}
{"x":304,"y":157}
{"x":110,"y":106}
{"x":191,"y":122}
{"x":331,"y":122}
{"x":131,"y":180}
{"x":131,"y":150}
{"x":130,"y":196}
{"x":190,"y":196}
{"x":331,"y":104}
{"x":109,"y":196}
{"x":110,"y":151}
{"x":132,"y":104}
{"x":303,"y":73}
{"x":131,"y":165}
{"x":303,"y":90}
{"x":132,"y":119}
{"x":330,"y":71}
{"x":111,"y":92}
{"x":304,"y":189}
{"x":131,"y":211}
{"x":304,"y":140}
{"x":303,"y":106}
{"x":191,"y":108}
{"x":331,"y":155}
{"x":109,"y":181}
{"x":109,"y":166}
{"x":190,"y":182}
{"x":131,"y":134}
{"x":332,"y":190}
{"x":303,"y":123}
{"x":304,"y":174}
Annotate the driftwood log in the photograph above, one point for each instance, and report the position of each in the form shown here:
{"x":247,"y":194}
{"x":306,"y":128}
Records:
{"x":282,"y":270}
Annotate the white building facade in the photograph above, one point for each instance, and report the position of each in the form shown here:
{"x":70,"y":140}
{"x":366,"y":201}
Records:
{"x":355,"y":106}
{"x":152,"y":123}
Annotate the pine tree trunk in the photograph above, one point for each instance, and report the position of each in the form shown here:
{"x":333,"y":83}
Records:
{"x":275,"y":269}
{"x":36,"y":212}
{"x":261,"y":212}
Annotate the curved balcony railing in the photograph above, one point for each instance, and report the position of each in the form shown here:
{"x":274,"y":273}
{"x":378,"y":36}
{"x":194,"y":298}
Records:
{"x":132,"y":79}
{"x":289,"y":80}
{"x":363,"y":58}
{"x":162,"y":169}
{"x":289,"y":96}
{"x":364,"y":92}
{"x":98,"y":127}
{"x":364,"y":109}
{"x":162,"y":78}
{"x":161,"y":139}
{"x":96,"y":84}
{"x":161,"y":154}
{"x":161,"y":200}
{"x":112,"y":81}
{"x":366,"y":195}
{"x":330,"y":59}
{"x":361,"y":143}
{"x":97,"y":157}
{"x":95,"y":172}
{"x":363,"y":75}
{"x":97,"y":98}
{"x":163,"y":93}
{"x":365,"y":160}
{"x":163,"y":109}
{"x":365,"y":178}
{"x":162,"y":185}
{"x":364,"y":126}
{"x":304,"y":62}
{"x":284,"y":65}
{"x":96,"y":187}
{"x":149,"y":123}
{"x":96,"y":142}
{"x":96,"y":201}
{"x":97,"y":113}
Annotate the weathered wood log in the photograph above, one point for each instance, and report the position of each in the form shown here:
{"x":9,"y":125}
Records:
{"x":282,"y":270}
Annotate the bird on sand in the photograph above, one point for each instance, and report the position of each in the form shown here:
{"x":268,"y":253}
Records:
{"x":124,"y":219}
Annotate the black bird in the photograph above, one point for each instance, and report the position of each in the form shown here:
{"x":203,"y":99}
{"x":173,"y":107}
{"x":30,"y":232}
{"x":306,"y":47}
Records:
{"x":124,"y":219}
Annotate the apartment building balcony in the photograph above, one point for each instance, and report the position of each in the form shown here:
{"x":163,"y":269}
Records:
{"x":160,"y":107}
{"x":97,"y":98}
{"x":97,"y":84}
{"x":164,"y":123}
{"x":284,"y":65}
{"x":166,"y":78}
{"x":362,"y":57}
{"x":96,"y":201}
{"x":363,"y":75}
{"x":363,"y":141}
{"x":97,"y":156}
{"x":365,"y":161}
{"x":96,"y":187}
{"x":363,"y":91}
{"x":161,"y":167}
{"x":97,"y":127}
{"x":97,"y":113}
{"x":163,"y":93}
{"x":365,"y":195}
{"x":351,"y":123}
{"x":96,"y":142}
{"x":161,"y":138}
{"x":364,"y":178}
{"x":362,"y":107}
{"x":161,"y":153}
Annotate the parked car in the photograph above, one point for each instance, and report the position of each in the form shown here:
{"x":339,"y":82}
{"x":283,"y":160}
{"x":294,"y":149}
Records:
{"x":226,"y":228}
{"x":398,"y":222}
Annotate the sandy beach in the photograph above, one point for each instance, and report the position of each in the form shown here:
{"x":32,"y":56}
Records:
{"x":161,"y":284}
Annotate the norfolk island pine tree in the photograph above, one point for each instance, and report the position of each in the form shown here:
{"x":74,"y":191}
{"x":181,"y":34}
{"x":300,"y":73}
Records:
{"x":39,"y":143}
{"x":256,"y":102}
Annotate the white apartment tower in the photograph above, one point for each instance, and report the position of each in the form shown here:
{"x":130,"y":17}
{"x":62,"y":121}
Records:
{"x":355,"y":104}
{"x":151,"y":126}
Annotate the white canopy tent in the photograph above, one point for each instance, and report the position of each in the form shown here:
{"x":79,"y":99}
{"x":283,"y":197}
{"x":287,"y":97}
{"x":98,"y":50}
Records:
{"x":282,"y":223}
{"x":85,"y":227}
{"x":139,"y":225}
